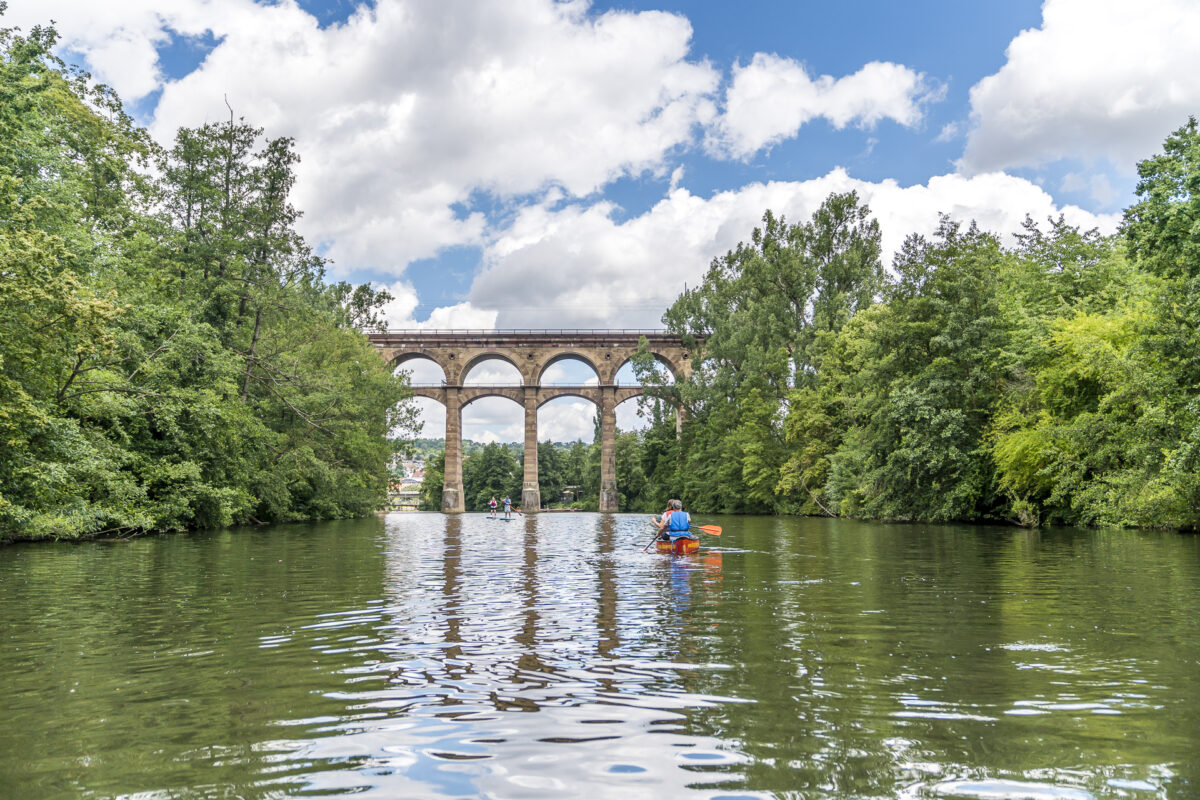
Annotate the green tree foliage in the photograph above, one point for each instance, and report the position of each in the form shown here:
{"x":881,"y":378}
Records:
{"x":931,"y":368}
{"x":761,"y":316}
{"x":1163,"y":233}
{"x":1057,"y":381}
{"x":432,"y":482}
{"x":551,"y":472}
{"x":170,"y":355}
{"x":491,"y":472}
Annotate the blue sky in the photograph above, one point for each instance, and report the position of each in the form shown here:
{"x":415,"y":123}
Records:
{"x":541,"y":164}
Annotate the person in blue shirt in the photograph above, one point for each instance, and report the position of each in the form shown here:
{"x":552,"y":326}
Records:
{"x":675,"y":523}
{"x":507,"y":507}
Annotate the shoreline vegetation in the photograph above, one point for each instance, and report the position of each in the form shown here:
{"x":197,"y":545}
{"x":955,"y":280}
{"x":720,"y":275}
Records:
{"x":1055,"y":381}
{"x":172,"y":356}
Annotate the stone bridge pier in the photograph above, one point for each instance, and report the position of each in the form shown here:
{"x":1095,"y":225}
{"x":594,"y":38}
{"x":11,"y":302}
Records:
{"x":531,"y":352}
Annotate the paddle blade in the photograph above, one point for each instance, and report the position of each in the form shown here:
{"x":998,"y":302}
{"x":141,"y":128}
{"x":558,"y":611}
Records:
{"x":712,"y":530}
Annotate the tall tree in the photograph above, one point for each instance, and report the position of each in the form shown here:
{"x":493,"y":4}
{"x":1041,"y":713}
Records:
{"x":170,"y":355}
{"x":933,"y":368}
{"x":1163,"y":233}
{"x":550,"y":472}
{"x":490,"y":472}
{"x":757,"y":320}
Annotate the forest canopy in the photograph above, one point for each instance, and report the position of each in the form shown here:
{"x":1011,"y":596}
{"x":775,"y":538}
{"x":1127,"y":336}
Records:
{"x":171,"y":355}
{"x":1056,"y":380}
{"x":1053,"y":380}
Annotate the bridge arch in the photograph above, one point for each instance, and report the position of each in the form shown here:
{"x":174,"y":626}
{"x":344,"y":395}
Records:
{"x":668,"y":367}
{"x":531,"y":352}
{"x":548,"y":393}
{"x":562,"y":359}
{"x":399,"y":359}
{"x":423,"y":370}
{"x":469,"y":394}
{"x":480,"y":359}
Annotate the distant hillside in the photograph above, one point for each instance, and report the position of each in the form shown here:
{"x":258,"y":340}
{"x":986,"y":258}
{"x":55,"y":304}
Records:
{"x":426,"y":448}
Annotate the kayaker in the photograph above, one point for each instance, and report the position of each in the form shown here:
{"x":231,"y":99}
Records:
{"x":675,"y":523}
{"x":492,"y":506}
{"x":507,"y":507}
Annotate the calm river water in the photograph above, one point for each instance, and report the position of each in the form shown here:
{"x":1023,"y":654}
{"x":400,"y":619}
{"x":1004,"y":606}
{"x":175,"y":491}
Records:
{"x":420,"y":656}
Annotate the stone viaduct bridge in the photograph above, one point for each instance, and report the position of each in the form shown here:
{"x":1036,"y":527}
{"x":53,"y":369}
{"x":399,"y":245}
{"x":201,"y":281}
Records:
{"x":532,"y":352}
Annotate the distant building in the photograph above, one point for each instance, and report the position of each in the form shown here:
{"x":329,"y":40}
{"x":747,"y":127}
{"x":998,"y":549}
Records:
{"x":404,"y":494}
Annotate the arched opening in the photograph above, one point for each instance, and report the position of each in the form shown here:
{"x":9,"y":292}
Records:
{"x":632,"y":415}
{"x":569,"y":370}
{"x":427,"y":442}
{"x":568,"y":456}
{"x":567,"y":419}
{"x":627,"y":376}
{"x":491,"y":419}
{"x":431,"y":416}
{"x":493,"y":441}
{"x":421,"y":370}
{"x":492,"y":371}
{"x":646,"y":454}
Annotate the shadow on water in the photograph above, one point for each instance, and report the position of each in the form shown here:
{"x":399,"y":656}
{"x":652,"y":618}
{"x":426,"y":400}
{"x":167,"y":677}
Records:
{"x":422,"y":655}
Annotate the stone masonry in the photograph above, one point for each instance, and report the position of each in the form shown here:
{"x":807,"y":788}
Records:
{"x":531,"y":352}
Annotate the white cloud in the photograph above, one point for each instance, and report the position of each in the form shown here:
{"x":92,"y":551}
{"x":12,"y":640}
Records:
{"x":400,"y":309}
{"x":493,"y":372}
{"x":432,"y":416}
{"x":676,"y":176}
{"x":770,"y":98}
{"x":567,"y":419}
{"x":407,"y":108}
{"x":1100,"y":79}
{"x":629,"y":417}
{"x":461,"y":315}
{"x":1095,"y":184}
{"x":120,"y":40}
{"x":579,"y":267}
{"x":492,"y":419}
{"x":423,"y":372}
{"x":569,"y":373}
{"x":950,"y":131}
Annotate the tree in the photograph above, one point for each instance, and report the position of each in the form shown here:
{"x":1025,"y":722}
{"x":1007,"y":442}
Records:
{"x":631,"y":480}
{"x":433,"y":482}
{"x":550,"y":472}
{"x":491,"y":472}
{"x":758,"y":320}
{"x":932,"y":368}
{"x":170,"y":355}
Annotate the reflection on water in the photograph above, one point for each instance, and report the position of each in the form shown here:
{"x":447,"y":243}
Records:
{"x":420,"y":655}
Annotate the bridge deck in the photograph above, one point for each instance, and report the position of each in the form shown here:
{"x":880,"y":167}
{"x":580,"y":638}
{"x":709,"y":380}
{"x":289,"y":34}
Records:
{"x":532,"y":351}
{"x":525,"y":337}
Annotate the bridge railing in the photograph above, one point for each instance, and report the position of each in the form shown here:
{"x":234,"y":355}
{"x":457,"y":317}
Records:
{"x":503,"y":331}
{"x":555,"y":385}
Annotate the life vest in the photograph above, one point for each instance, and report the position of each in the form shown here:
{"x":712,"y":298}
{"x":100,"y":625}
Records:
{"x":678,"y":525}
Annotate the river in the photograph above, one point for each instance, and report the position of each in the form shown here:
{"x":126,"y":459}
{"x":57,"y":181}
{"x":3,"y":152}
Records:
{"x":417,"y":655}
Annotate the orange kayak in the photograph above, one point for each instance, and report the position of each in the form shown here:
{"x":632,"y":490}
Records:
{"x":680,"y":547}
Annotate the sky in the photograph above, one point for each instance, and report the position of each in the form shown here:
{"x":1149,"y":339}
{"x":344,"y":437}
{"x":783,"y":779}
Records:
{"x":541,"y":164}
